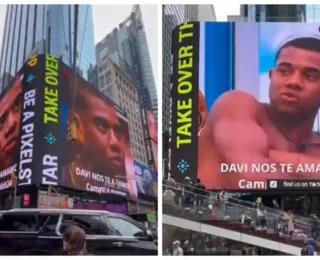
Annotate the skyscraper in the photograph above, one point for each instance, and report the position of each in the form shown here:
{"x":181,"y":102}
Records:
{"x":127,"y":46}
{"x":36,"y":29}
{"x":313,"y":13}
{"x":274,"y":13}
{"x":173,"y":15}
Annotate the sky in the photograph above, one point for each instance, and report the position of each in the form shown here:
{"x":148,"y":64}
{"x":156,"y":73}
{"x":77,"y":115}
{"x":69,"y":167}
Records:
{"x":223,"y":10}
{"x":106,"y":17}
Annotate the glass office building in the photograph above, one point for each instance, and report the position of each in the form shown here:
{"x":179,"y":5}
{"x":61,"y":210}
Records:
{"x":127,"y":46}
{"x":36,"y":29}
{"x":313,"y":13}
{"x":274,"y":13}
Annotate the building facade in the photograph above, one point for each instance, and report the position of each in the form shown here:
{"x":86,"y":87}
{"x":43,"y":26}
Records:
{"x":173,"y":15}
{"x":127,"y":46}
{"x":313,"y":13}
{"x":274,"y":13}
{"x":117,"y":85}
{"x":37,"y":29}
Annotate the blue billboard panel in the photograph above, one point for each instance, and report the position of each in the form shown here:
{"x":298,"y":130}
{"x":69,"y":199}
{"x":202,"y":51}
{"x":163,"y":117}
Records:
{"x":146,"y":180}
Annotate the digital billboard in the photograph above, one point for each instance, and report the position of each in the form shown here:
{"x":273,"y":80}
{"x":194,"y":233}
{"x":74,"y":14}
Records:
{"x":35,"y":115}
{"x":150,"y":132}
{"x":21,"y":140}
{"x":146,"y":180}
{"x":100,"y":159}
{"x":252,"y":111}
{"x":10,"y":122}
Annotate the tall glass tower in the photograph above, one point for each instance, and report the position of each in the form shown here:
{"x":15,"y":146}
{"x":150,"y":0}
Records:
{"x":274,"y":13}
{"x":37,"y":29}
{"x":127,"y":46}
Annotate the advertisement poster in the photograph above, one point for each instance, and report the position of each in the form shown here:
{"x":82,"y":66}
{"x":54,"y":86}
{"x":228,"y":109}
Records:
{"x":21,"y":119}
{"x":36,"y":112}
{"x":146,"y":180}
{"x":150,"y":132}
{"x":258,"y":114}
{"x":100,"y":158}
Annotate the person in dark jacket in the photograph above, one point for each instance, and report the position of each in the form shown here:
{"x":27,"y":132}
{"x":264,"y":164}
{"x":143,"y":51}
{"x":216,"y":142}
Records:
{"x":199,"y":190}
{"x":74,"y":241}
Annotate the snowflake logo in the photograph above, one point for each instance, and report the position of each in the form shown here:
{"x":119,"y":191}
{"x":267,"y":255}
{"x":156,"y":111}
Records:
{"x":183,"y":166}
{"x":30,"y":78}
{"x":50,"y":138}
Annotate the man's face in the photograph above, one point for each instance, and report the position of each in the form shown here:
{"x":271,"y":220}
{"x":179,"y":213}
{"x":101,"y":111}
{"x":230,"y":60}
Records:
{"x":104,"y":135}
{"x":10,"y":114}
{"x":295,"y":82}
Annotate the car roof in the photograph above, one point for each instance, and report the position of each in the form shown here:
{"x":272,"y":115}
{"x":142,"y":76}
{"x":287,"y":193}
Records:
{"x":61,"y":211}
{"x":69,"y":211}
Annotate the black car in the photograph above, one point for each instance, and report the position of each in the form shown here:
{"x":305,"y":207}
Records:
{"x":39,"y":232}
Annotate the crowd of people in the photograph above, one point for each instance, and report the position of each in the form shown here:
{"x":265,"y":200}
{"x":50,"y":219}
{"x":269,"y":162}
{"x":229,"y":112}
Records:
{"x":199,"y":244}
{"x":193,"y":196}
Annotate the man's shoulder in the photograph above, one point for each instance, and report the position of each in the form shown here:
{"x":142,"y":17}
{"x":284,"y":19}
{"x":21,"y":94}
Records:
{"x":236,"y":103}
{"x":238,"y":97}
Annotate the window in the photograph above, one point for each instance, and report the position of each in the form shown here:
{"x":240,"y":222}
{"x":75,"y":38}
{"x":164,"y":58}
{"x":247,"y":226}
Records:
{"x":48,"y":223}
{"x":91,"y":224}
{"x":18,"y":222}
{"x":126,"y":228}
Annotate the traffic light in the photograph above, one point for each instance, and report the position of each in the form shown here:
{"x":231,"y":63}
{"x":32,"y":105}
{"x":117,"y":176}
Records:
{"x":116,"y":183}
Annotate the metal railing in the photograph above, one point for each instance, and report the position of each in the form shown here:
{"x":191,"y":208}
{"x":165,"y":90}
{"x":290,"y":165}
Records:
{"x":185,"y":203}
{"x":297,"y":219}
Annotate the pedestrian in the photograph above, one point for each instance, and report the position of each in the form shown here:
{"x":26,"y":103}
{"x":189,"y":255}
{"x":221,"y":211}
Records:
{"x":74,"y":241}
{"x":177,"y":250}
{"x":199,"y":190}
{"x":314,"y":221}
{"x":223,"y":200}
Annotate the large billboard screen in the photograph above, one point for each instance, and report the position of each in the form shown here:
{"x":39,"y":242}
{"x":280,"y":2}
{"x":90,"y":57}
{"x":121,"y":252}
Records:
{"x":100,"y":159}
{"x":10,"y":122}
{"x":252,"y":115}
{"x":35,"y":115}
{"x":146,"y":180}
{"x":20,"y":118}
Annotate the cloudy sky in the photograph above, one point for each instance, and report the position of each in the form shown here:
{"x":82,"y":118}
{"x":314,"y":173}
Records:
{"x":106,"y":17}
{"x":222,"y":11}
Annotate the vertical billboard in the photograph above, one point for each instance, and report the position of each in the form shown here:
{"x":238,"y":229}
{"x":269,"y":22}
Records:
{"x":150,"y":132}
{"x":258,"y":111}
{"x":183,"y":129}
{"x":99,"y":159}
{"x":21,"y":121}
{"x":146,"y":180}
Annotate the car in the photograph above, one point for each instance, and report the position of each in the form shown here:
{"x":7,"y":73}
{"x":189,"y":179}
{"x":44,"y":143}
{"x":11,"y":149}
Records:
{"x":39,"y":232}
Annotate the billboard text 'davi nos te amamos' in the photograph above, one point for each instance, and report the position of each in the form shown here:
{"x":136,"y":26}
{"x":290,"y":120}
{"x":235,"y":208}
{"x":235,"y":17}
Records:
{"x":35,"y":114}
{"x":245,"y":97}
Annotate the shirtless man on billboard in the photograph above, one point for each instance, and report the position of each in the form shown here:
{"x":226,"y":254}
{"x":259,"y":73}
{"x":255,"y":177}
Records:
{"x":241,"y":130}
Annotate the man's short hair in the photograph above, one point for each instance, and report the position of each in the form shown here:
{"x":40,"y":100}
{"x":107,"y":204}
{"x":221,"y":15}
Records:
{"x":82,"y":97}
{"x":305,"y":43}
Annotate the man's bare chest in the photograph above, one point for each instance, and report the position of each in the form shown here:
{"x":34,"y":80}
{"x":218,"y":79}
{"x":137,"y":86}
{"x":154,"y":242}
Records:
{"x":281,"y":142}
